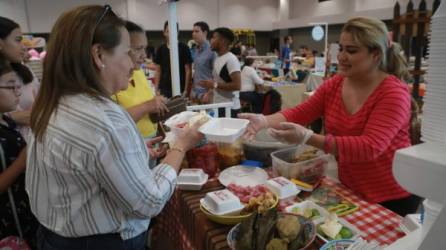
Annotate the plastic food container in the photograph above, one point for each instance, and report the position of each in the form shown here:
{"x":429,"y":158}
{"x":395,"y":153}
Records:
{"x":282,"y":187}
{"x":309,"y":171}
{"x":224,"y":129}
{"x":191,"y":179}
{"x":355,"y":233}
{"x":230,"y":154}
{"x":204,"y":157}
{"x":308,"y":209}
{"x":222,"y":202}
{"x":261,"y":147}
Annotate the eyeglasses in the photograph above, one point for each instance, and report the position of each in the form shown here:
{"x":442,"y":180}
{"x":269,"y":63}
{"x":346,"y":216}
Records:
{"x":107,"y":8}
{"x":17,"y":88}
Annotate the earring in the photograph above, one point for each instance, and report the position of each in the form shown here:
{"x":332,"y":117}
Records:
{"x":103,"y":66}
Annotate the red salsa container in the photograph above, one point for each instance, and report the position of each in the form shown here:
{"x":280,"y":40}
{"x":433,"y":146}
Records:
{"x":204,"y":157}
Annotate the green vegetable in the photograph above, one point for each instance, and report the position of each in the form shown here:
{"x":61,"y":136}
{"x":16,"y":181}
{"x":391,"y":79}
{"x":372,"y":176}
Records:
{"x":315,"y":213}
{"x":346,"y":233}
{"x":319,"y":230}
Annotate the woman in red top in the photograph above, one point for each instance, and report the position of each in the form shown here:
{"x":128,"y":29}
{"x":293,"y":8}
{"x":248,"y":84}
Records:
{"x":366,"y":108}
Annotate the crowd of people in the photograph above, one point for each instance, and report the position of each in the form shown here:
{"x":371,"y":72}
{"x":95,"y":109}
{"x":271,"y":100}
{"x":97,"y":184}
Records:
{"x":78,"y":146}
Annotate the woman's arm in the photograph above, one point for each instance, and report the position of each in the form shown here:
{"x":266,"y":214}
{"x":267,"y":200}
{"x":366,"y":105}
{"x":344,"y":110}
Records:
{"x":8,"y":176}
{"x":21,"y":117}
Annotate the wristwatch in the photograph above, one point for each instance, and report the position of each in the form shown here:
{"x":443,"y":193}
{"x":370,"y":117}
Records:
{"x":215,"y":85}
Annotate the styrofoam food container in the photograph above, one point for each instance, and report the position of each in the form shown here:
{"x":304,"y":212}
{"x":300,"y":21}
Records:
{"x":222,"y":202}
{"x":191,"y":175}
{"x":191,"y":179}
{"x":355,"y":231}
{"x":282,"y":187}
{"x":308,"y":205}
{"x":224,"y":129}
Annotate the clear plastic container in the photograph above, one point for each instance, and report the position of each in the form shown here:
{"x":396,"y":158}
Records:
{"x":204,"y":157}
{"x":309,"y":171}
{"x":230,"y":154}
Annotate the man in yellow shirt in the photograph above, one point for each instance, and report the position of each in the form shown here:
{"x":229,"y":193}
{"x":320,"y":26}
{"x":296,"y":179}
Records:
{"x":139,"y":98}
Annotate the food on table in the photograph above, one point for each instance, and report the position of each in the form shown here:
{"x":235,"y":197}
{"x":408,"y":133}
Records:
{"x":277,"y":244}
{"x":273,"y":230}
{"x":201,"y":118}
{"x":309,"y":213}
{"x":288,"y":227}
{"x":246,"y":193}
{"x":308,"y":154}
{"x":256,"y":198}
{"x":204,"y":157}
{"x":331,"y":229}
{"x":230,"y":154}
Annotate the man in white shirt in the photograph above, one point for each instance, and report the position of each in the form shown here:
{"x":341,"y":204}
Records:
{"x":248,"y":93}
{"x":226,"y":72}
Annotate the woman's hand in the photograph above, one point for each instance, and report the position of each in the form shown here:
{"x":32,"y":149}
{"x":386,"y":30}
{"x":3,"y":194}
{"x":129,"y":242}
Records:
{"x":291,"y":133}
{"x":189,"y":137}
{"x":156,"y":152}
{"x":158,"y":105}
{"x":257,"y":122}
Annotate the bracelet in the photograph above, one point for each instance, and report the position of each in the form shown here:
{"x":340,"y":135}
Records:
{"x":215,"y":85}
{"x":328,"y":143}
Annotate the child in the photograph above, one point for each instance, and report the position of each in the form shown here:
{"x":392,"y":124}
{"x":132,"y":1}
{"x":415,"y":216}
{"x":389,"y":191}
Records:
{"x":14,"y":147}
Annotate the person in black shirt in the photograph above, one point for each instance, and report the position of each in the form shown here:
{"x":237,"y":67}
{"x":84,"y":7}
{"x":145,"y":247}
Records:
{"x":14,"y":147}
{"x":162,"y":59}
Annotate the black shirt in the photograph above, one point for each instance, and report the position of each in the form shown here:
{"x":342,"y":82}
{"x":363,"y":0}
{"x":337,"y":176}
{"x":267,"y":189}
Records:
{"x":162,"y":58}
{"x":12,"y":143}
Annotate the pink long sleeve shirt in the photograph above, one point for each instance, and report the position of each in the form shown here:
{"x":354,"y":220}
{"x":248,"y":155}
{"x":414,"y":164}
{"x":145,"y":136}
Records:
{"x":366,"y":140}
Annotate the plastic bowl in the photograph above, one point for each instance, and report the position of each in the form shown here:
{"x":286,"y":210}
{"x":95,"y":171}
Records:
{"x":261,"y":147}
{"x":309,"y":171}
{"x":308,"y":227}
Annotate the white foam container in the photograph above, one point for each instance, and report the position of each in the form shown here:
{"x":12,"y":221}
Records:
{"x":431,"y":211}
{"x":282,"y":187}
{"x":308,"y":205}
{"x":355,"y":231}
{"x":222,"y":202}
{"x":191,"y":179}
{"x":226,"y":130}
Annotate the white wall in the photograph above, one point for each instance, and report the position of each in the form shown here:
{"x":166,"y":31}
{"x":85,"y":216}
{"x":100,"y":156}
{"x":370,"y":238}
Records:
{"x":304,"y":12}
{"x":253,"y":14}
{"x":16,"y":10}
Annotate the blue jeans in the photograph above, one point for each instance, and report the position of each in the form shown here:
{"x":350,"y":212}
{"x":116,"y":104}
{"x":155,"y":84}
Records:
{"x":47,"y":240}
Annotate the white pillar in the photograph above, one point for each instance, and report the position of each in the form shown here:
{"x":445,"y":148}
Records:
{"x":173,"y":44}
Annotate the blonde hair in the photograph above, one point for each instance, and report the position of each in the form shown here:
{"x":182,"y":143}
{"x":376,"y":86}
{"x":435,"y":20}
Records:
{"x":373,"y":34}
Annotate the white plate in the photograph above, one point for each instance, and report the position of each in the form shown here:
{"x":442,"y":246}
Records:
{"x":243,"y":176}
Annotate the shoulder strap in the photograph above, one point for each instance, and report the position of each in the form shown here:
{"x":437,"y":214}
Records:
{"x":11,"y":197}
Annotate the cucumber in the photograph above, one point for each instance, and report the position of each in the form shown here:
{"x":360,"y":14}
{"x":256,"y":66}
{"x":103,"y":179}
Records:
{"x":346,"y":233}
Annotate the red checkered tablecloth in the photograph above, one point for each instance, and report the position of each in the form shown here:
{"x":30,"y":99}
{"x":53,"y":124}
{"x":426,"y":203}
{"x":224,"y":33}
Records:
{"x":375,"y":221}
{"x":182,"y":225}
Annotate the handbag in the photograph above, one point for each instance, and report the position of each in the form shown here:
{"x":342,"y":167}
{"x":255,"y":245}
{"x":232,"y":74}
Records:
{"x":12,"y":242}
{"x":176,"y":104}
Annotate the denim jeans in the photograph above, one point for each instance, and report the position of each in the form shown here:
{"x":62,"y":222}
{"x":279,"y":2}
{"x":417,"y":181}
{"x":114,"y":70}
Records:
{"x":47,"y":240}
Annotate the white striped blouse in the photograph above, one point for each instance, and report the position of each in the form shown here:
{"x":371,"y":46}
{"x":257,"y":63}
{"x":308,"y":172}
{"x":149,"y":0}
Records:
{"x":90,"y":173}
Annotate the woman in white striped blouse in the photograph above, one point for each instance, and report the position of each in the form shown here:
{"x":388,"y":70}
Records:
{"x":88,"y":177}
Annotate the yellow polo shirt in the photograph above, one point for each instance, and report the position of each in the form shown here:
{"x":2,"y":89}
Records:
{"x":135,"y":95}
